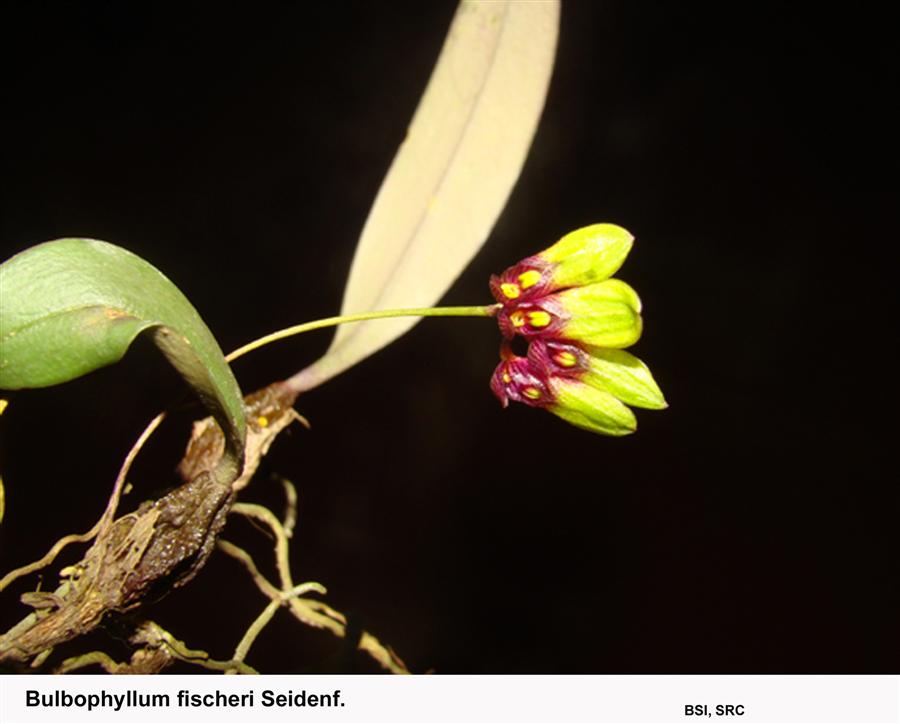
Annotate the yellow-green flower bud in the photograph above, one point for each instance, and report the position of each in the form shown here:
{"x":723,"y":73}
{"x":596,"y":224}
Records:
{"x":521,"y":380}
{"x":584,"y":256}
{"x":592,"y":409}
{"x":588,"y":255}
{"x":604,"y":315}
{"x":612,"y":370}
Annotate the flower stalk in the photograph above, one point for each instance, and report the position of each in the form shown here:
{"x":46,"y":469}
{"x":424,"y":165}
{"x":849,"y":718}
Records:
{"x":471,"y":311}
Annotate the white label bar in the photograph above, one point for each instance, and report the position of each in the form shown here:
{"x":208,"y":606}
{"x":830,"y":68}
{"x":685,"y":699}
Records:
{"x":501,"y":699}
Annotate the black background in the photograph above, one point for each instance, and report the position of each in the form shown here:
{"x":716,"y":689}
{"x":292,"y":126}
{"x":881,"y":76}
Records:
{"x":238,"y":146}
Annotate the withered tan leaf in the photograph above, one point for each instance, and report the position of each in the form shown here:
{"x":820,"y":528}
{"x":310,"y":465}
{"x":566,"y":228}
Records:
{"x":452,"y":175}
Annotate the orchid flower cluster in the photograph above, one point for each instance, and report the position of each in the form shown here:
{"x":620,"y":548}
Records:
{"x":577,"y":321}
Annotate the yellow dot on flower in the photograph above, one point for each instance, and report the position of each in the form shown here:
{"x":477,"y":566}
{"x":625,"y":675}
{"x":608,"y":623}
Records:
{"x":517,"y":318}
{"x":532,"y":393}
{"x":566,"y":359}
{"x":262,"y":421}
{"x":529,"y":278}
{"x":510,"y":291}
{"x":539,"y":319}
{"x":506,"y":378}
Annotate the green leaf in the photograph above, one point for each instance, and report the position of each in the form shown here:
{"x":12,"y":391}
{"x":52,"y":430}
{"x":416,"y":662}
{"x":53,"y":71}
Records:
{"x":71,"y":306}
{"x":450,"y":180}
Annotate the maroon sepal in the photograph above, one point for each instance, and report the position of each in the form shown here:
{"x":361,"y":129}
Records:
{"x":517,"y":379}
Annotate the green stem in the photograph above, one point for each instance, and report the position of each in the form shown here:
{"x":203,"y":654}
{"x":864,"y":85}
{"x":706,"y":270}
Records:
{"x":479,"y":311}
